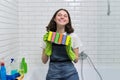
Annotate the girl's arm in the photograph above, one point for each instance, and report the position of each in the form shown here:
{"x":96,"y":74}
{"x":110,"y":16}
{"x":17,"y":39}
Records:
{"x":44,"y":57}
{"x":76,"y":51}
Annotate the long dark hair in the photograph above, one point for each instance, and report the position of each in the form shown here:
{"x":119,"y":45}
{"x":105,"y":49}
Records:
{"x":52,"y":24}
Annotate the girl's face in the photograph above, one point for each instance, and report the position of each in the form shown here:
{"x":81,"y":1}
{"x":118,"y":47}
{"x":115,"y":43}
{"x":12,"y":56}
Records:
{"x":62,"y":18}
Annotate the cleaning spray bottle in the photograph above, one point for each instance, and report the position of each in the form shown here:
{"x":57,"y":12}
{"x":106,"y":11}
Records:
{"x":3,"y":71}
{"x":13,"y":76}
{"x":13,"y":66}
{"x":0,"y":72}
{"x":23,"y":65}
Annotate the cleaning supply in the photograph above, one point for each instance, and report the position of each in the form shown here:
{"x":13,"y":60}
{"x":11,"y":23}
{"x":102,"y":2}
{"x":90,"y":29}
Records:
{"x":13,"y":76}
{"x":48,"y":49}
{"x":58,"y":38}
{"x":13,"y":66}
{"x":20,"y":77}
{"x":23,"y":66}
{"x":3,"y":71}
{"x":0,"y":72}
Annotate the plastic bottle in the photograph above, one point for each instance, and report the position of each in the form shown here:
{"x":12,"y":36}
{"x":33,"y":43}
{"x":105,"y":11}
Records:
{"x":13,"y":77}
{"x":3,"y":71}
{"x":0,"y":72}
{"x":13,"y":66}
{"x":23,"y":65}
{"x":20,"y":77}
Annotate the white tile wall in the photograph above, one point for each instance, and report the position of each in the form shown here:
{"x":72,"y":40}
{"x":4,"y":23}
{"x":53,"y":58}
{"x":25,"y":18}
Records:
{"x":98,"y":31}
{"x":9,"y":41}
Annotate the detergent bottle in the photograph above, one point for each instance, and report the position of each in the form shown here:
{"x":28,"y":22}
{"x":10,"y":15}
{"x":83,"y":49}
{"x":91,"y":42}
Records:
{"x":3,"y":71}
{"x":13,"y":76}
{"x":13,"y":66}
{"x":23,"y":65}
{"x":0,"y":72}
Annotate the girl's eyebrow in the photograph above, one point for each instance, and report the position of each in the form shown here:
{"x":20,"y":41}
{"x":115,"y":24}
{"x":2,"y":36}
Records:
{"x":60,"y":13}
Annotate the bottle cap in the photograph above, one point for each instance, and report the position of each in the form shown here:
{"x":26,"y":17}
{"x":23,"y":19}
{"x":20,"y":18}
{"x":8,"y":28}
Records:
{"x":2,"y":64}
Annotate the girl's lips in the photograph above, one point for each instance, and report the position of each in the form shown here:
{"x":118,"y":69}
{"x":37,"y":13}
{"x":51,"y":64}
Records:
{"x":61,"y":20}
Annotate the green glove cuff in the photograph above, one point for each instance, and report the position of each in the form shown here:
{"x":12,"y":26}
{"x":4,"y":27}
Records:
{"x":48,"y":49}
{"x":70,"y":52}
{"x":45,"y":37}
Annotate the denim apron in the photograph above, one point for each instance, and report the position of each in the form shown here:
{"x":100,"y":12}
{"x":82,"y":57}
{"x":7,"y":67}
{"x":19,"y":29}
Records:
{"x":60,"y":66}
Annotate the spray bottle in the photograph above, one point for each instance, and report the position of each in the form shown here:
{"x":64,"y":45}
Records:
{"x":13,"y":66}
{"x":3,"y":71}
{"x":0,"y":72}
{"x":13,"y":76}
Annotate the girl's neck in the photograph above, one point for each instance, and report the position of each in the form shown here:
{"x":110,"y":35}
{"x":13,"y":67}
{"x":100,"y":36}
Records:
{"x":60,"y":29}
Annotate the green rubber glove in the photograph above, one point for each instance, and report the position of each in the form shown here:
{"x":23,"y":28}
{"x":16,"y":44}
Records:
{"x":48,"y":49}
{"x":70,"y":52}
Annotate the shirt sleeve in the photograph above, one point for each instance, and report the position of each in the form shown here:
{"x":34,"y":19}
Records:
{"x":42,"y":43}
{"x":76,"y":42}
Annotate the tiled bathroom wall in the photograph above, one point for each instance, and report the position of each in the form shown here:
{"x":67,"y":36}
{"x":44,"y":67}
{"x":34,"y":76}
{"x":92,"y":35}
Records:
{"x":95,"y":21}
{"x":9,"y":39}
{"x":98,"y":30}
{"x":23,"y":22}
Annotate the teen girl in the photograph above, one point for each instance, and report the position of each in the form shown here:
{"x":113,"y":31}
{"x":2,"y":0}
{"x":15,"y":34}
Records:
{"x":61,"y":57}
